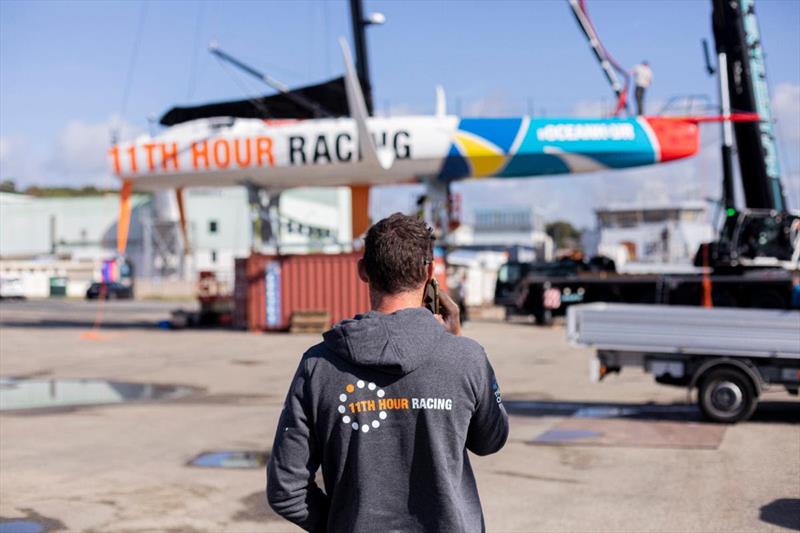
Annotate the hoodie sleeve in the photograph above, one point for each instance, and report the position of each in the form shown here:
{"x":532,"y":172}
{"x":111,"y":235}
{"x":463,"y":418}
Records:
{"x":488,"y":428}
{"x":291,"y":489}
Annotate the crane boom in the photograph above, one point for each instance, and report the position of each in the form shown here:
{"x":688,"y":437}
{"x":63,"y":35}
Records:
{"x":607,"y":63}
{"x":737,"y":36}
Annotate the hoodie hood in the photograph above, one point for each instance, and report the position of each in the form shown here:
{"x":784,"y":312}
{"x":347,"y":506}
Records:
{"x":394,"y":344}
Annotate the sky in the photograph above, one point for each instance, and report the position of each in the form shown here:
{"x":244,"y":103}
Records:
{"x":71,"y":72}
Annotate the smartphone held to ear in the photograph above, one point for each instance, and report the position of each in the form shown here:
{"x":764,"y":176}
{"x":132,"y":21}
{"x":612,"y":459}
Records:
{"x":440,"y":304}
{"x":430,"y":298}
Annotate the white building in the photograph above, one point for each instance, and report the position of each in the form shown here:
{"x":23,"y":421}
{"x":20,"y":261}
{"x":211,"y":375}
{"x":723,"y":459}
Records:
{"x":650,"y":234}
{"x":219,"y":227}
{"x":475,"y":274}
{"x":506,"y":228}
{"x":79,"y":227}
{"x":498,"y":235}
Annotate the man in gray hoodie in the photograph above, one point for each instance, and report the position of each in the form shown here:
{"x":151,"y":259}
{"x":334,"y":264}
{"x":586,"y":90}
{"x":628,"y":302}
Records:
{"x":388,"y":405}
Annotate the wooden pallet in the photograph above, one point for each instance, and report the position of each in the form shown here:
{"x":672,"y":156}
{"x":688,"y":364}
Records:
{"x":309,"y":321}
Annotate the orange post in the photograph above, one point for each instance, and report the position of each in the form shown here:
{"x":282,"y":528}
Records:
{"x":124,"y":221}
{"x":359,"y":205}
{"x":182,"y":215}
{"x":707,"y":300}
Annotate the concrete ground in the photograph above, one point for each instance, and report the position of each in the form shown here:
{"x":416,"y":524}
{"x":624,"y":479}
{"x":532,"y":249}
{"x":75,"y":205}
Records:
{"x":123,"y":467}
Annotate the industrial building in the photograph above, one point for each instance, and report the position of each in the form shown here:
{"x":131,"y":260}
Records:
{"x":668,"y":233}
{"x":42,"y":238}
{"x":517,"y":230}
{"x":497,"y":235}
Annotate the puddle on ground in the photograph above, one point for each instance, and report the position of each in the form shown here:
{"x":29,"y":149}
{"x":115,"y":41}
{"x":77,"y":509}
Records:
{"x":633,"y":432}
{"x":32,"y":522}
{"x":599,"y":410}
{"x":605,"y":411}
{"x":558,"y":436}
{"x":64,"y":393}
{"x":21,"y":526}
{"x":231,"y":459}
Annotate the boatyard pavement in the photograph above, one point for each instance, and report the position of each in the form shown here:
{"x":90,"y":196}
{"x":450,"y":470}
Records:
{"x":124,"y":467}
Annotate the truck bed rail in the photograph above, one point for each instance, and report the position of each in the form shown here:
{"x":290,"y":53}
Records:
{"x":685,"y":330}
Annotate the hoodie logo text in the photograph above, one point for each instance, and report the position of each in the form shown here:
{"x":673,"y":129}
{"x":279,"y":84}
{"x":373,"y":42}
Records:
{"x":363,"y":406}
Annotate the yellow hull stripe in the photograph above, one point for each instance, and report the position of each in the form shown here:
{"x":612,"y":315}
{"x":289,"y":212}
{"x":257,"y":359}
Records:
{"x":485,"y":158}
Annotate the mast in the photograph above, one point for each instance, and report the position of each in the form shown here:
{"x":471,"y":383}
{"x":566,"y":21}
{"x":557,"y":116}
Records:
{"x":360,"y":42}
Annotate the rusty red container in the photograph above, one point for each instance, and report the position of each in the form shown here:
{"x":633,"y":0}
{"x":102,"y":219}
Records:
{"x":240,"y":294}
{"x":322,"y":282}
{"x":269,"y":288}
{"x":277,"y":286}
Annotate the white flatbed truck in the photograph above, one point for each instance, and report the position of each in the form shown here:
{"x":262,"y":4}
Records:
{"x":729,"y":355}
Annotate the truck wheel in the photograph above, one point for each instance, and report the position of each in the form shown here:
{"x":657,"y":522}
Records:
{"x":726,"y":395}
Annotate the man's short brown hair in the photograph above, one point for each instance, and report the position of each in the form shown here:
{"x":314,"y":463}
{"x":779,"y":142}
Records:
{"x":397,"y":252}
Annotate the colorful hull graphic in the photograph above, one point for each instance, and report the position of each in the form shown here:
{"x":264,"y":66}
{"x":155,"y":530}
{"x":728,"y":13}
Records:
{"x":326,"y":152}
{"x":518,"y":147}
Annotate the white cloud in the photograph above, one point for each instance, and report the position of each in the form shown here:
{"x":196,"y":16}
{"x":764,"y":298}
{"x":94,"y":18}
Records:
{"x":18,"y":160}
{"x":605,"y":107}
{"x":786,"y":108}
{"x":397,"y":111}
{"x":5,"y":148}
{"x":791,"y":185}
{"x":77,"y":157}
{"x":592,"y":108}
{"x":495,"y":104}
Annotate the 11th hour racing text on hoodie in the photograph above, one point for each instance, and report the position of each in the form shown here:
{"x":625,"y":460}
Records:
{"x":388,"y":406}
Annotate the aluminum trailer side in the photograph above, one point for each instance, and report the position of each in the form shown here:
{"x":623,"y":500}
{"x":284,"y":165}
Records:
{"x":729,"y":355}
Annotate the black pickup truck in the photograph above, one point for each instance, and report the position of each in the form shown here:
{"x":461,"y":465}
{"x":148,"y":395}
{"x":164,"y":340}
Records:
{"x":546,"y":290}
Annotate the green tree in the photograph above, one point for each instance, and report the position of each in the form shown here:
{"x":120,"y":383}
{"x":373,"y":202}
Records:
{"x":564,"y":234}
{"x":66,"y":192}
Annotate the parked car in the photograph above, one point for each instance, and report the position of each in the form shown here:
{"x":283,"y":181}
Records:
{"x":109,"y":291}
{"x":11,"y":288}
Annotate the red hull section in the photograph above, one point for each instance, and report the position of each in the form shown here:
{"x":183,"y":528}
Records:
{"x":677,"y":138}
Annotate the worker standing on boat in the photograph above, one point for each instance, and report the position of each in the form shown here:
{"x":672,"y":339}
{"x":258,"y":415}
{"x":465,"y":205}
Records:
{"x":387,"y":406}
{"x":642,"y":78}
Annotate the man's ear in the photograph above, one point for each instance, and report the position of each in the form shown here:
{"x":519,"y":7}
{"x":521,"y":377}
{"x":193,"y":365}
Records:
{"x":362,"y":271}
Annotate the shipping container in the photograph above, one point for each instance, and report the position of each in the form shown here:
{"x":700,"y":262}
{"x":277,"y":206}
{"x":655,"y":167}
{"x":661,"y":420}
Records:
{"x":277,"y":286}
{"x":269,"y":288}
{"x":240,"y":292}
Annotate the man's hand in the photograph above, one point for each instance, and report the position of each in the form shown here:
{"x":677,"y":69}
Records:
{"x":451,"y":316}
